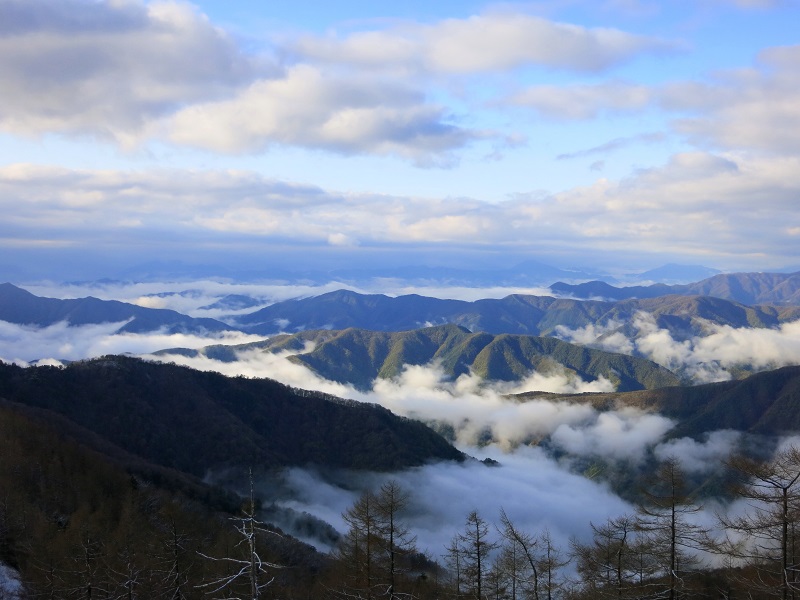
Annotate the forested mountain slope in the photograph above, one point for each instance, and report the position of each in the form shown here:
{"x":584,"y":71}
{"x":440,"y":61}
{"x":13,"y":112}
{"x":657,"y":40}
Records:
{"x":75,"y":519}
{"x":358,"y":356}
{"x":765,"y":403}
{"x":196,"y":421}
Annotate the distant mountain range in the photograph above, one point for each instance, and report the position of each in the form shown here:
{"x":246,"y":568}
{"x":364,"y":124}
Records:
{"x":526,"y":273}
{"x":195,"y":421}
{"x":358,"y":356}
{"x":683,"y":315}
{"x":517,"y":314}
{"x":745,"y":288}
{"x":21,"y":307}
{"x":675,"y":273}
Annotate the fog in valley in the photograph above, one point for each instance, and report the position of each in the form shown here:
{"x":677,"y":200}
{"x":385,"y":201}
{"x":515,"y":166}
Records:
{"x":541,"y":446}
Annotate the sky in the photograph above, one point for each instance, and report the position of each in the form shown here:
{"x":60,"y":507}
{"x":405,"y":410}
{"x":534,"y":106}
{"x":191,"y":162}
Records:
{"x":612,"y":134}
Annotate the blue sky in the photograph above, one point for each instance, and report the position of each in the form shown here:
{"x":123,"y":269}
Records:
{"x":618,"y":134}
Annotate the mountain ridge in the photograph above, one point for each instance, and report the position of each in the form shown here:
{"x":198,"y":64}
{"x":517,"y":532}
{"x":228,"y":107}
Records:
{"x":195,"y":421}
{"x":21,"y":307}
{"x":745,"y":288}
{"x":358,"y":356}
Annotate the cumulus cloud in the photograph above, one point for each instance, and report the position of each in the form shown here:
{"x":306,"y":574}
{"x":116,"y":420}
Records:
{"x":311,"y":109}
{"x":108,"y":69}
{"x":481,"y":43}
{"x":132,"y":72}
{"x":746,"y":109}
{"x":753,"y":108}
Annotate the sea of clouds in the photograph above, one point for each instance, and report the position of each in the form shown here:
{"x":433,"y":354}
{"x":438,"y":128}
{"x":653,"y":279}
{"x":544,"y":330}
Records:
{"x":535,"y":443}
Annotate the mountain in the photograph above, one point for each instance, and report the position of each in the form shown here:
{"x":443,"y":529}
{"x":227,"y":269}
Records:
{"x":195,"y":422}
{"x":233,"y":302}
{"x":745,"y":288}
{"x":358,"y":356}
{"x":137,"y":524}
{"x":677,"y":273}
{"x":515,"y":314}
{"x":23,"y":308}
{"x":765,"y":403}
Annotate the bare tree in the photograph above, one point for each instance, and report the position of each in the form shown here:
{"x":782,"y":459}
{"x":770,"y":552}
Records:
{"x":617,"y":563}
{"x":768,"y":532}
{"x":396,"y":537}
{"x":249,"y":567}
{"x":664,"y":520}
{"x":359,"y":551}
{"x":474,"y":546}
{"x":377,"y":541}
{"x":535,"y":561}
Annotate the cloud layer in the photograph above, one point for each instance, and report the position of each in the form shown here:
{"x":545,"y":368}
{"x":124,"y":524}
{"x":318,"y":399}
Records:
{"x":698,"y":206}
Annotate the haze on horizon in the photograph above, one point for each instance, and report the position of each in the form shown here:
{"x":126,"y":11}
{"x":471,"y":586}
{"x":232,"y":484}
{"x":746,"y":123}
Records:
{"x":606,"y":135}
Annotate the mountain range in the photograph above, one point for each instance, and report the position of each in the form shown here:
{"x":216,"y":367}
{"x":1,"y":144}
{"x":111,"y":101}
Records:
{"x":358,"y":356}
{"x":517,"y":314}
{"x":746,"y":288}
{"x":21,"y":307}
{"x":684,"y":310}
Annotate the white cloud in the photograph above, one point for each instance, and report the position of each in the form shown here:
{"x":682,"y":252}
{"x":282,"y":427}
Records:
{"x":584,"y":101}
{"x":704,"y":358}
{"x":473,"y":409}
{"x":482,"y":43}
{"x":755,"y":108}
{"x":700,"y":456}
{"x":108,"y":69}
{"x":61,"y":341}
{"x":443,"y":494}
{"x":698,"y":206}
{"x":312,"y":109}
{"x":623,"y":435}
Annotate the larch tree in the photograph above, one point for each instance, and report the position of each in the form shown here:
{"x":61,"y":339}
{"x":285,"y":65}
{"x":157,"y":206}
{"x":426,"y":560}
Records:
{"x":767,"y":536}
{"x":474,"y":547}
{"x":664,"y":519}
{"x":395,"y":536}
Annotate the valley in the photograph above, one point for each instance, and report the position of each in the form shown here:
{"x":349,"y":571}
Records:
{"x":587,"y":406}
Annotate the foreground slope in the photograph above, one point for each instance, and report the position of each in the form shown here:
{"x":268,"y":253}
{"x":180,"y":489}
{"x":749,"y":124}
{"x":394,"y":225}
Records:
{"x":358,"y":356}
{"x":195,"y":421}
{"x":141,"y":531}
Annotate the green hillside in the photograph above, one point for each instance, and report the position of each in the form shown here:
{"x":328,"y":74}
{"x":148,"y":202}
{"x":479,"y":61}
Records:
{"x":358,"y":357}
